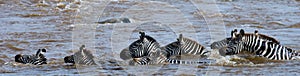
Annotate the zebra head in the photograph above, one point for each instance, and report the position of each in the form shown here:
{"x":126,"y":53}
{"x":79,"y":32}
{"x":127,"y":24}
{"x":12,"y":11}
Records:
{"x":69,"y":59}
{"x":235,"y":45}
{"x":136,"y":48}
{"x":143,"y":47}
{"x":18,"y":58}
{"x":41,"y":52}
{"x":37,"y":59}
{"x":82,"y":47}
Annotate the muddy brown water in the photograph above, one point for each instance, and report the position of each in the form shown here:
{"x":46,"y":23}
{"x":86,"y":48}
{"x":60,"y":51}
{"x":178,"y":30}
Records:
{"x":61,"y":26}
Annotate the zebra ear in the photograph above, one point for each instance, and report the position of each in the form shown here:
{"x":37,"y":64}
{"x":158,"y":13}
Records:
{"x":235,"y":30}
{"x":242,"y":32}
{"x":233,"y":33}
{"x":256,"y":32}
{"x":179,"y":39}
{"x":44,"y":50}
{"x":38,"y":52}
{"x":142,"y":33}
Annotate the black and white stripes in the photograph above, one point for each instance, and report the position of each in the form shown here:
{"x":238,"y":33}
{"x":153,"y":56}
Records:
{"x":147,"y":51}
{"x":259,"y":46}
{"x":184,"y":46}
{"x":37,"y":59}
{"x":83,"y":56}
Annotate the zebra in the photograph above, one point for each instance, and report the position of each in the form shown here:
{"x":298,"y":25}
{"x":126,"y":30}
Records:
{"x":260,"y":47}
{"x":37,"y":59}
{"x":223,"y":43}
{"x":146,"y":51}
{"x":184,"y":46}
{"x":83,"y":56}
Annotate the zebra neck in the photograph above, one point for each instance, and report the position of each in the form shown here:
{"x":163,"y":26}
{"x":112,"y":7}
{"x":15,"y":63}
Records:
{"x":253,"y":44}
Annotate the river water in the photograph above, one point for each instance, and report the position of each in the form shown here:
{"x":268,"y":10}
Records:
{"x":61,"y":26}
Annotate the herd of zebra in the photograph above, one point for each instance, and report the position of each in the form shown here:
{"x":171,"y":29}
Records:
{"x":146,"y":50}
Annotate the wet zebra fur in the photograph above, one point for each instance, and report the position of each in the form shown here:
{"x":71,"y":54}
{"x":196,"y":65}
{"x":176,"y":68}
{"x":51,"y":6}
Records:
{"x":223,"y":43}
{"x":146,"y":50}
{"x":83,"y":56}
{"x":184,"y":46}
{"x":37,"y":59}
{"x":264,"y":48}
{"x":265,"y":37}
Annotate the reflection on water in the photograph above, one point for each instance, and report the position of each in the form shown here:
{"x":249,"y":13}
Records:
{"x":31,"y":24}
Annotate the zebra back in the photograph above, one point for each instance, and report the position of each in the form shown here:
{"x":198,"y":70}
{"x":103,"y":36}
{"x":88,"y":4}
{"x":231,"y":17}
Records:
{"x":83,"y":56}
{"x":265,"y":37}
{"x":184,"y":46}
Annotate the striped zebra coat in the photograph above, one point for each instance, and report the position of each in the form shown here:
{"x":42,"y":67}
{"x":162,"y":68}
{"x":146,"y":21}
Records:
{"x":83,"y":56}
{"x":223,"y":44}
{"x":255,"y":44}
{"x":184,"y":46}
{"x":37,"y":59}
{"x":146,"y":51}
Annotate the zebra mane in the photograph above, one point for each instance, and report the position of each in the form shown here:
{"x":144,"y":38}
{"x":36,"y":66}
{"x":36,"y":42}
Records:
{"x":265,"y":37}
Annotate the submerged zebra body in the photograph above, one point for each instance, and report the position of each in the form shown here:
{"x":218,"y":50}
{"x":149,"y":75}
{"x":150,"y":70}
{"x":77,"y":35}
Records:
{"x":223,"y":43}
{"x":147,"y":51}
{"x":260,"y":47}
{"x":83,"y":56}
{"x":184,"y":46}
{"x":37,"y":59}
